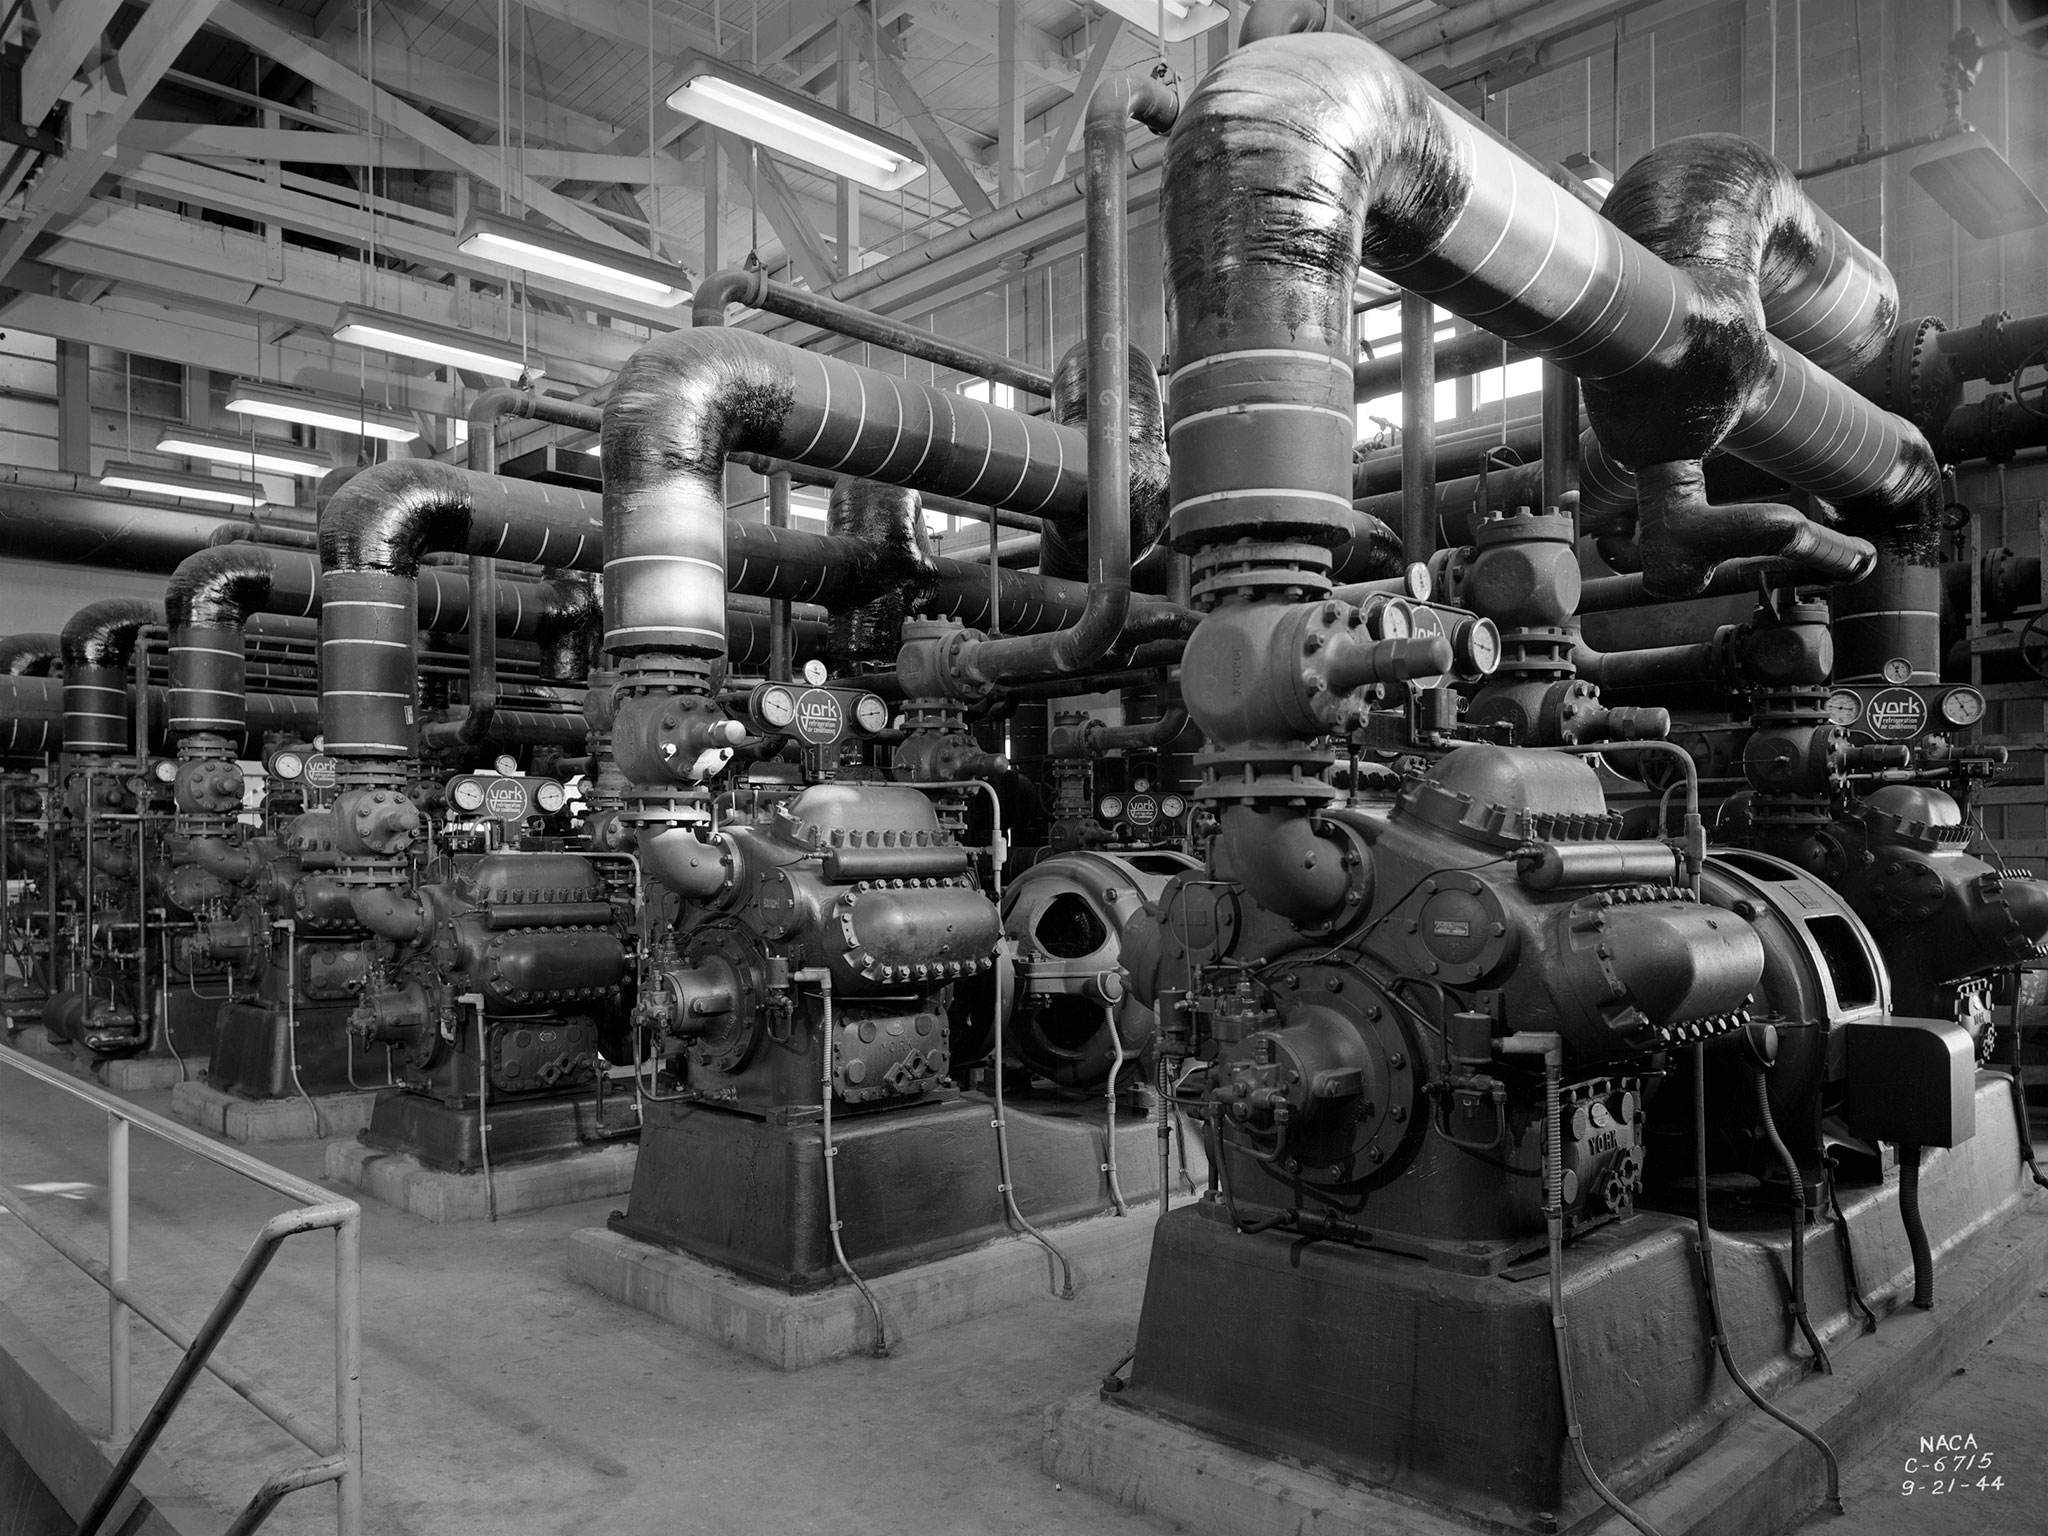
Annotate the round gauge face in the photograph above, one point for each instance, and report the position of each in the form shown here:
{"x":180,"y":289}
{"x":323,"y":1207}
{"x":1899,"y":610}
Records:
{"x":135,"y":784}
{"x":1396,"y":620}
{"x":287,"y":765}
{"x":815,"y":673}
{"x":1111,"y":807}
{"x":1172,"y":807}
{"x":468,"y":795}
{"x":871,"y":713}
{"x":165,"y":770}
{"x":550,"y":796}
{"x":1962,"y":706}
{"x":506,"y":763}
{"x":777,"y":706}
{"x":1898,"y":670}
{"x":1141,"y":783}
{"x":1482,"y":646}
{"x":1844,"y":707}
{"x":1420,"y":585}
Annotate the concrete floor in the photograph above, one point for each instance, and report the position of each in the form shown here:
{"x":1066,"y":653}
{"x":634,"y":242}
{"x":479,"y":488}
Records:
{"x":501,"y":1397}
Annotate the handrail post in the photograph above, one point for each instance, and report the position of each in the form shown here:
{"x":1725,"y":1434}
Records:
{"x":118,"y":1333}
{"x":348,"y":1370}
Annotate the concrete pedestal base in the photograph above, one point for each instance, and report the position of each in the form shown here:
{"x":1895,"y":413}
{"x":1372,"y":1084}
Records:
{"x":400,"y":1179}
{"x":794,"y":1332}
{"x":35,"y":1041}
{"x":253,"y":1120}
{"x":137,"y":1074}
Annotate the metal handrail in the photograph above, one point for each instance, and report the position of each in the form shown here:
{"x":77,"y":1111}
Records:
{"x":341,"y":1449}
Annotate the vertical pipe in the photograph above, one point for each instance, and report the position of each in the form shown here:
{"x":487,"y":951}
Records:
{"x":1560,"y":428}
{"x":1894,"y":614}
{"x":1418,"y":429}
{"x":483,"y":631}
{"x":118,"y":1410}
{"x":781,"y":638}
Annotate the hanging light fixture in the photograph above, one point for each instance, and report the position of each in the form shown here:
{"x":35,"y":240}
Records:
{"x":373,"y":329}
{"x":1182,"y":19}
{"x":776,"y":117}
{"x":279,"y":402}
{"x":243,"y":453}
{"x":580,"y":263}
{"x":122,"y":475}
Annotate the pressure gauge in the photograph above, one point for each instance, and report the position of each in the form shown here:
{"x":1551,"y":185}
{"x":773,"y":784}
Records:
{"x":468,"y":795}
{"x":1477,"y":647}
{"x":550,"y":796}
{"x":1844,"y":708}
{"x":871,"y":713}
{"x":776,"y":706}
{"x":1898,"y":670}
{"x":1962,"y":706}
{"x":1418,"y":581}
{"x":1173,"y":807}
{"x":507,"y":764}
{"x":1396,"y":620}
{"x":1141,"y":783}
{"x":1111,"y":807}
{"x":815,"y":673}
{"x":165,"y":769}
{"x":288,"y":765}
{"x":135,"y":784}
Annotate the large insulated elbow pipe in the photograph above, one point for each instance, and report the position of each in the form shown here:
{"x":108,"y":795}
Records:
{"x":97,"y":644}
{"x":372,"y":536}
{"x":29,"y":655}
{"x":687,"y":400}
{"x":1297,"y":157}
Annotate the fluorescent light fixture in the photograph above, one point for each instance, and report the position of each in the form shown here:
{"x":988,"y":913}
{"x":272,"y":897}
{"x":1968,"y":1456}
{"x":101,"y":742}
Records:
{"x":580,"y":263}
{"x":1977,"y":187}
{"x":778,"y":118}
{"x":243,"y":453}
{"x":1183,"y":20}
{"x":120,"y":475}
{"x":376,"y":331}
{"x":278,"y":402}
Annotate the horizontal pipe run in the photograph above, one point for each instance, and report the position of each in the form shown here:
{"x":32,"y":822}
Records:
{"x":756,"y":290}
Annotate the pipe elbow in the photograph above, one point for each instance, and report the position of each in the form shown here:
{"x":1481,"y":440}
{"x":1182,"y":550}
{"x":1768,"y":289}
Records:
{"x":29,"y":655}
{"x":1123,"y":99}
{"x":390,"y":913}
{"x":103,"y":634}
{"x":695,"y":867}
{"x":235,"y":863}
{"x":384,"y":518}
{"x":219,"y":587}
{"x":732,"y":286}
{"x":1289,"y":867}
{"x":1281,"y":18}
{"x":1682,"y":538}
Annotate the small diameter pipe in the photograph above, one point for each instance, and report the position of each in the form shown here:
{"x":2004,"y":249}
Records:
{"x":1797,"y":1194}
{"x":2019,"y":1095}
{"x":483,"y":1107}
{"x":1916,"y":1227}
{"x":1418,"y":428}
{"x":781,"y":632}
{"x":1007,"y":1187}
{"x":1695,"y":825}
{"x":1550,"y":1047}
{"x":1705,"y":1247}
{"x":1063,"y":653}
{"x":828,"y":1048}
{"x":1116,"y":1044}
{"x":757,"y":290}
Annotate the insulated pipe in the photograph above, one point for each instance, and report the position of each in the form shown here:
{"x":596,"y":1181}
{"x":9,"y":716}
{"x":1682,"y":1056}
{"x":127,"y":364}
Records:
{"x":687,"y":400}
{"x":70,"y":519}
{"x":213,"y":595}
{"x":1418,"y":428}
{"x":1064,"y":652}
{"x":1604,"y":594}
{"x":1681,"y":538}
{"x":1063,"y":551}
{"x":1895,"y":616}
{"x":371,"y":539}
{"x":757,"y":290}
{"x":97,"y":644}
{"x":32,"y":699}
{"x":31,"y":715}
{"x":1296,"y":157}
{"x":29,"y":655}
{"x":885,"y":523}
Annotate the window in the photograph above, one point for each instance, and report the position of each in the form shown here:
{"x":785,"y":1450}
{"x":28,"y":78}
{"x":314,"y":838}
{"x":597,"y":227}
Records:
{"x":1496,"y":384}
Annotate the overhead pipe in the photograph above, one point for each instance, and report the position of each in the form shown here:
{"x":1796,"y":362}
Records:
{"x":31,"y":715}
{"x":1065,"y":652}
{"x":70,"y":519}
{"x":97,"y":644}
{"x":756,"y":290}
